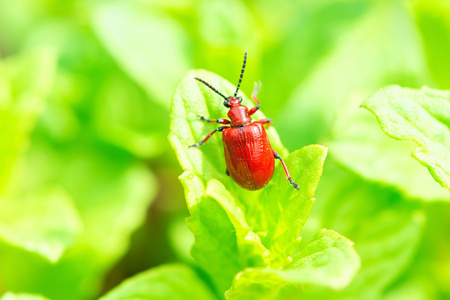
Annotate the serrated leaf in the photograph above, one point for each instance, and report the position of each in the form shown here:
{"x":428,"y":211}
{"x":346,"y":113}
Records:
{"x":129,"y":31}
{"x":357,"y":143}
{"x":164,"y":282}
{"x":282,"y":211}
{"x":422,"y":116}
{"x":329,"y":260}
{"x":22,"y":296}
{"x":44,"y":222}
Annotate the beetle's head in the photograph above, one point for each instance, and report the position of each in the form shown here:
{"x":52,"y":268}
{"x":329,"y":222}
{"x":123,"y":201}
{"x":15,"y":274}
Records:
{"x":232,"y":101}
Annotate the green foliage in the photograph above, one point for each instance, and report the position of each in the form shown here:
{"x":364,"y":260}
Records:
{"x":329,"y":260}
{"x":48,"y":226}
{"x":251,"y":234}
{"x":62,"y":191}
{"x":386,"y":239}
{"x":85,"y":89}
{"x":355,"y":147}
{"x":422,"y":116}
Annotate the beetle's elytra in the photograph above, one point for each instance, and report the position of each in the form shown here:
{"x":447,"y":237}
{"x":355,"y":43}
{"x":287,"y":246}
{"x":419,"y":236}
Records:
{"x":249,"y":157}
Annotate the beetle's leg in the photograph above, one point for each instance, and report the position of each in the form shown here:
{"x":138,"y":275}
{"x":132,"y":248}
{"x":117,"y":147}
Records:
{"x":208,"y":136}
{"x":288,"y":176}
{"x":254,"y":93}
{"x":220,"y":121}
{"x":266,"y":121}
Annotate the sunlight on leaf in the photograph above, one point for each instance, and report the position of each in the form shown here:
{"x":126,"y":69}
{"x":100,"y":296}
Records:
{"x":357,"y":143}
{"x":329,"y":260}
{"x":422,"y":116}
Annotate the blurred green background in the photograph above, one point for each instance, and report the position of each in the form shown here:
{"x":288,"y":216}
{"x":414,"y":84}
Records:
{"x":89,"y":193}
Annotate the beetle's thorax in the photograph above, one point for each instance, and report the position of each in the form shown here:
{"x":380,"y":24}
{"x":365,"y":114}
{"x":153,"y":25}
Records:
{"x":238,"y":114}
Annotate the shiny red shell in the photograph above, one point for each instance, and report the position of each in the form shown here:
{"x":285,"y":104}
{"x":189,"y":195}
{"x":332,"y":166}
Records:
{"x":249,"y":156}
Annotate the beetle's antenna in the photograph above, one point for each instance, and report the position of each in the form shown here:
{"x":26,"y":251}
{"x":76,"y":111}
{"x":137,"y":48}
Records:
{"x":211,"y":87}
{"x":242,"y":74}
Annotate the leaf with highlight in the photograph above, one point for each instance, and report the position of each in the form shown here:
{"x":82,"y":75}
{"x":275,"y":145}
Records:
{"x":329,"y":260}
{"x":422,"y":116}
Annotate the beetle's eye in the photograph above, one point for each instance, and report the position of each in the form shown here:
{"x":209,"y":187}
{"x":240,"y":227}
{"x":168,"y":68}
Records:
{"x":240,"y":99}
{"x":226,"y":104}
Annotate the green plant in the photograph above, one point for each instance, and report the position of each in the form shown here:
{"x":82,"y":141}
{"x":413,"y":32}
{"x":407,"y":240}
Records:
{"x":248,"y":243}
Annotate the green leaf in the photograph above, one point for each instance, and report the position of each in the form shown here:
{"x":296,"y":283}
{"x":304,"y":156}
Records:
{"x":164,"y":282}
{"x":25,"y":82}
{"x":143,"y":40}
{"x":111,"y":192}
{"x":21,"y":296}
{"x":215,"y":248}
{"x":239,"y":230}
{"x":281,"y":211}
{"x":249,"y":243}
{"x":386,"y":229}
{"x":357,"y":143}
{"x":422,"y":116}
{"x":329,"y":260}
{"x":43,"y":222}
{"x":232,"y":245}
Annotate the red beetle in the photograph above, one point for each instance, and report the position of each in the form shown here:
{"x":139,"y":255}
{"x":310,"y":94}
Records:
{"x":250,"y":158}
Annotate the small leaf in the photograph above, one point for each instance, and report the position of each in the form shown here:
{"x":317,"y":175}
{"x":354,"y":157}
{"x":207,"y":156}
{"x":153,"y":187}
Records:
{"x":422,"y":116}
{"x":282,"y":211}
{"x":46,"y":223}
{"x":329,"y":260}
{"x":164,"y":282}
